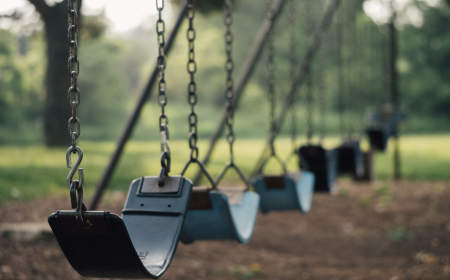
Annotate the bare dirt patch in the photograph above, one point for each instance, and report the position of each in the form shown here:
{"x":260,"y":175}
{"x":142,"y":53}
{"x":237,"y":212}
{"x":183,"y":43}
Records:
{"x":379,"y":231}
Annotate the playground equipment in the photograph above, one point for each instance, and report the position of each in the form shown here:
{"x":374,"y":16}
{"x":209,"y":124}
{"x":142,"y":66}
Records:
{"x":143,"y":241}
{"x":282,"y":191}
{"x":212,"y":214}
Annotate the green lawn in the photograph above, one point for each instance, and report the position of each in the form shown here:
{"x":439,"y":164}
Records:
{"x":32,"y":171}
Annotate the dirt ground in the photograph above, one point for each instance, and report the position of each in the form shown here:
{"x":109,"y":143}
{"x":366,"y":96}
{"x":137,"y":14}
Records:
{"x":383,"y":230}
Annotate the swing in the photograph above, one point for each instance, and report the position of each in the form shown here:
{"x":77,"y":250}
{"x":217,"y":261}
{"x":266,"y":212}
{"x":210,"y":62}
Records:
{"x":142,"y":242}
{"x":322,"y":163}
{"x":349,"y":154}
{"x":384,"y":125}
{"x":314,"y":157}
{"x":285,"y":191}
{"x":216,"y":214}
{"x":367,"y":173}
{"x":350,"y":158}
{"x":378,"y":138}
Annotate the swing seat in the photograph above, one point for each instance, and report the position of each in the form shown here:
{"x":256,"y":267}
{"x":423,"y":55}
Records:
{"x":285,"y":192}
{"x":213,"y":216}
{"x":140,"y":244}
{"x":367,"y":173}
{"x":378,"y":138}
{"x":322,"y":163}
{"x":350,"y":158}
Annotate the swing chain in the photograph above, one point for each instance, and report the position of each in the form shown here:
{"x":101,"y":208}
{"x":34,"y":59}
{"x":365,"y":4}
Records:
{"x":309,"y":78}
{"x":229,"y":66}
{"x":340,"y":72}
{"x":73,"y":124}
{"x":162,"y":97}
{"x":73,"y":93}
{"x":322,"y":99}
{"x":293,"y":63}
{"x":309,"y":105}
{"x":271,"y":85}
{"x":192,"y":86}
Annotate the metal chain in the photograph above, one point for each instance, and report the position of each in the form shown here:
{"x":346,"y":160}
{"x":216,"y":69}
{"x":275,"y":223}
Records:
{"x":322,"y":98}
{"x":271,"y":95}
{"x":309,"y":77}
{"x":293,"y":63}
{"x":73,"y":69}
{"x":162,"y":97}
{"x":191,"y":68}
{"x":309,"y":107}
{"x":229,"y":66}
{"x":340,"y":65}
{"x":322,"y":92}
{"x":73,"y":96}
{"x":192,"y":86}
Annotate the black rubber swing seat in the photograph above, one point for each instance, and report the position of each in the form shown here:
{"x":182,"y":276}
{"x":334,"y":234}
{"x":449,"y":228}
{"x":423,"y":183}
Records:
{"x":285,"y":192}
{"x":350,"y":158}
{"x":378,"y":138}
{"x":214,"y":215}
{"x":322,"y":163}
{"x":140,"y":244}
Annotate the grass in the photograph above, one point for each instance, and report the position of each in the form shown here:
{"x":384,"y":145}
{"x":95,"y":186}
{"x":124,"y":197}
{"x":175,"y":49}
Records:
{"x":400,"y":235}
{"x":31,"y":171}
{"x":251,"y":121}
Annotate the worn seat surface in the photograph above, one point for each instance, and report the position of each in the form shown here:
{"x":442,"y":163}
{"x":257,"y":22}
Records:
{"x":141,"y":244}
{"x":285,"y":192}
{"x":214,"y":215}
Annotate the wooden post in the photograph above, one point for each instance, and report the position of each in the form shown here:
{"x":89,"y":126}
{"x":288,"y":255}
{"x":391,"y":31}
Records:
{"x":394,"y":90}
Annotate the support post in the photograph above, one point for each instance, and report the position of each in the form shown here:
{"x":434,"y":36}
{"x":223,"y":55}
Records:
{"x":245,"y":75}
{"x":394,"y":90}
{"x":301,"y":75}
{"x":132,"y":121}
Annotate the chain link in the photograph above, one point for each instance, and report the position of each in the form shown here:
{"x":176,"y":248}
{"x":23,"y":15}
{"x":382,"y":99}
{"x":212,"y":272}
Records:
{"x":229,"y":67}
{"x":162,"y":87}
{"x":192,"y":86}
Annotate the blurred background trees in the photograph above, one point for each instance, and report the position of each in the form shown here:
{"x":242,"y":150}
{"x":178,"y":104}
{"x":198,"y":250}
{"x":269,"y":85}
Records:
{"x":115,"y":66}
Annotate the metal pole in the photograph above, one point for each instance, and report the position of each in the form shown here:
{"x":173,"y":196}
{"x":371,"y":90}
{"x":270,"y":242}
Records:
{"x":245,"y":75}
{"x":301,"y":74}
{"x":394,"y":91}
{"x":132,"y":121}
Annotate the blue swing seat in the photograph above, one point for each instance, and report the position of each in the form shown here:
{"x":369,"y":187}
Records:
{"x":141,"y":244}
{"x":285,"y":192}
{"x":212,"y":216}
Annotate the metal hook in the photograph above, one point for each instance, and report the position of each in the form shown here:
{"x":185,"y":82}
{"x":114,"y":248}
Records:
{"x":75,"y":167}
{"x":76,"y":197}
{"x":165,"y":168}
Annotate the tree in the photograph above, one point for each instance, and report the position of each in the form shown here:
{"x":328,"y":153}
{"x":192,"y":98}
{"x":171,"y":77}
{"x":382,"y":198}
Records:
{"x":56,"y":109}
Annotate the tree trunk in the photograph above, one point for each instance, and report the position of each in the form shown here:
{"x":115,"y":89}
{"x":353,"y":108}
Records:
{"x":56,"y":109}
